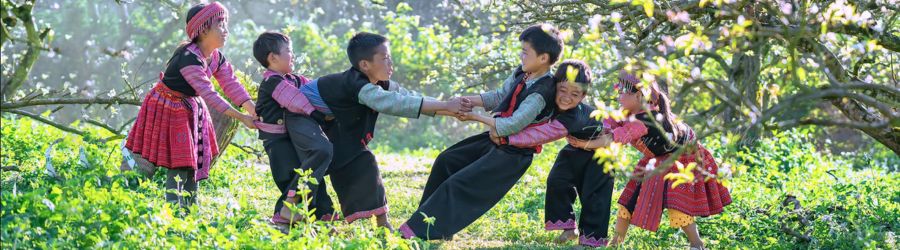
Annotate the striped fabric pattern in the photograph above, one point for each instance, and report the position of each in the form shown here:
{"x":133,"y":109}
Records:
{"x":288,"y":95}
{"x":233,"y":89}
{"x":294,"y":97}
{"x":311,"y":91}
{"x":538,"y":135}
{"x":698,"y":198}
{"x":172,"y":130}
{"x":629,"y":131}
{"x":204,"y":19}
{"x":197,"y":77}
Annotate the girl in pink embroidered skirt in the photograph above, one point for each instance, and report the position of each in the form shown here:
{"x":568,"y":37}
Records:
{"x":173,"y":128}
{"x":651,"y":129}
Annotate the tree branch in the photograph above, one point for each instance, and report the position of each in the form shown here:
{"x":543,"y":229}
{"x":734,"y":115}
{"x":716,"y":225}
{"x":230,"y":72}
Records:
{"x":248,"y":149}
{"x":47,"y":121}
{"x":820,"y":122}
{"x":55,"y":101}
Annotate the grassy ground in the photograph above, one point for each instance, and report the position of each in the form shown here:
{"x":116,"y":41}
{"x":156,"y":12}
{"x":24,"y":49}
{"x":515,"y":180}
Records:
{"x":848,"y":201}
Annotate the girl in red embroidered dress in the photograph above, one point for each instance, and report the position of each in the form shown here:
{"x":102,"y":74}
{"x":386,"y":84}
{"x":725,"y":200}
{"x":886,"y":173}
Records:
{"x":173,"y":128}
{"x":651,"y":129}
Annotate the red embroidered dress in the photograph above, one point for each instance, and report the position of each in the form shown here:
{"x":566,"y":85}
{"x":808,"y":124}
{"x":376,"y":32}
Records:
{"x":647,"y":199}
{"x":173,"y":128}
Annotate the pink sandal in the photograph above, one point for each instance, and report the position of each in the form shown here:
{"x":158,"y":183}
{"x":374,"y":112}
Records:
{"x":277,"y":219}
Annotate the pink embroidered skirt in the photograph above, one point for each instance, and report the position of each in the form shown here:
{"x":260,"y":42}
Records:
{"x":173,"y":130}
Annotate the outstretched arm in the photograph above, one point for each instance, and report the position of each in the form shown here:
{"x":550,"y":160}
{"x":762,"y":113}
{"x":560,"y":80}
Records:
{"x":538,"y":135}
{"x":195,"y":75}
{"x":290,"y":97}
{"x":599,"y":142}
{"x":401,"y":102}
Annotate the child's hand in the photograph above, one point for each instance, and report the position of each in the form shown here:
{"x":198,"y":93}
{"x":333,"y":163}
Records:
{"x":495,"y":140}
{"x":467,"y":116}
{"x":247,"y":121}
{"x":494,"y":136}
{"x":454,"y":105}
{"x":250,"y":107}
{"x":575,"y":142}
{"x":467,"y":105}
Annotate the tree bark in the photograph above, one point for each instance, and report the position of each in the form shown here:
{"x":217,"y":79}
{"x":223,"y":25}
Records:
{"x":858,"y":112}
{"x":34,"y":42}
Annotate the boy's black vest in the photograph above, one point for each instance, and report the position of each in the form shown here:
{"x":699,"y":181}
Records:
{"x":269,"y":110}
{"x":354,"y":123}
{"x":579,"y":123}
{"x":544,"y":86}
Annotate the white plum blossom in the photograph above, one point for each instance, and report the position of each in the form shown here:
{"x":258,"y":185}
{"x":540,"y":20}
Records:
{"x":786,"y":7}
{"x":594,"y":21}
{"x":615,"y":17}
{"x":651,"y":165}
{"x":680,"y":17}
{"x":695,"y":73}
{"x":49,"y":204}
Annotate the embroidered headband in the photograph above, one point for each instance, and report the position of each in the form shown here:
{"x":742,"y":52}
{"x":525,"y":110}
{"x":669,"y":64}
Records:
{"x":205,"y":18}
{"x":632,"y":84}
{"x":627,"y":82}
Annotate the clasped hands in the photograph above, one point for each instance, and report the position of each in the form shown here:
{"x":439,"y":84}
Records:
{"x":461,"y":108}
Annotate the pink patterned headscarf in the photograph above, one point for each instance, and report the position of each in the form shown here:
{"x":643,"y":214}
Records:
{"x":631,"y":83}
{"x":627,"y":81}
{"x":205,"y":18}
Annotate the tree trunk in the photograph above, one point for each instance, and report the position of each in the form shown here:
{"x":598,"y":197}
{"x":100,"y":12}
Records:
{"x":226,"y":127}
{"x":855,"y":111}
{"x":858,"y":112}
{"x":745,"y":75}
{"x":34,"y":41}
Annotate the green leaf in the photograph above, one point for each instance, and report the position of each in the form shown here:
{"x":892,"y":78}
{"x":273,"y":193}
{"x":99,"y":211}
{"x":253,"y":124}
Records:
{"x":648,"y":8}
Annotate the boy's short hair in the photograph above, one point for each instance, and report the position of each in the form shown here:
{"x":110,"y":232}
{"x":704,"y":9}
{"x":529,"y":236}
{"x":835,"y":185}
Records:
{"x":362,"y":47}
{"x":584,"y":75}
{"x":268,"y":42}
{"x":544,"y":38}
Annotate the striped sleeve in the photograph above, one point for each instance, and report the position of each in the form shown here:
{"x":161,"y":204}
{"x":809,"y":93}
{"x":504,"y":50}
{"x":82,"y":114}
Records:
{"x":290,"y":97}
{"x":538,"y":135}
{"x":230,"y":84}
{"x":629,"y":131}
{"x":196,"y":76}
{"x":610,"y":124}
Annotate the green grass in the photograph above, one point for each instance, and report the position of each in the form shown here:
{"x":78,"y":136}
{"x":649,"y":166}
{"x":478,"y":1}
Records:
{"x":851,"y":201}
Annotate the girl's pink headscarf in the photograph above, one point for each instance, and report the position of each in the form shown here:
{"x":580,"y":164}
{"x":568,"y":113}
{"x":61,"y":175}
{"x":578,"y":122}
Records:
{"x":205,"y":18}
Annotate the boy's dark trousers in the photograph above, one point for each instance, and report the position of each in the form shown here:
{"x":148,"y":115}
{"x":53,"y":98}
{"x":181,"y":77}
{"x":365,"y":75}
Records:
{"x":576,"y":173}
{"x":467,"y":180}
{"x":304,"y":147}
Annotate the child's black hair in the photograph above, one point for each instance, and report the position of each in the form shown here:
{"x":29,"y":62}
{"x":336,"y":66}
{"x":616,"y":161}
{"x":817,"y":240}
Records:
{"x":659,"y":97}
{"x":584,"y":76}
{"x":190,"y":15}
{"x":362,"y":47}
{"x":268,"y":42}
{"x":544,"y":39}
{"x":193,"y":11}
